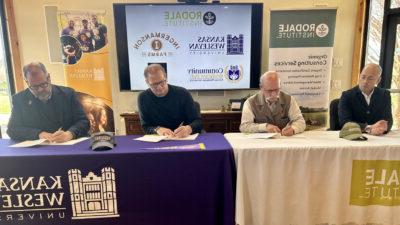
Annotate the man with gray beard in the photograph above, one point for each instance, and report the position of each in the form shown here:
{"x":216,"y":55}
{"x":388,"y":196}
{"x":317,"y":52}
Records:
{"x":45,"y":111}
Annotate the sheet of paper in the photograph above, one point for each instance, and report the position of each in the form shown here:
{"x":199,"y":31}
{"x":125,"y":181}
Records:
{"x":188,"y":138}
{"x":150,"y":138}
{"x":71,"y":142}
{"x":199,"y":146}
{"x":294,"y":136}
{"x":25,"y":144}
{"x":157,"y":138}
{"x":261,"y":135}
{"x":271,"y":135}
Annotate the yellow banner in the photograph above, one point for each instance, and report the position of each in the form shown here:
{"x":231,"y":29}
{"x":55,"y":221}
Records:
{"x":84,"y":42}
{"x":375,"y":182}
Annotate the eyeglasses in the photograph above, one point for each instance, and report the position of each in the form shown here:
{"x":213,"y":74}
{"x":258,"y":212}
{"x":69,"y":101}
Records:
{"x":158,"y":84}
{"x":42,"y":85}
{"x":276,"y":91}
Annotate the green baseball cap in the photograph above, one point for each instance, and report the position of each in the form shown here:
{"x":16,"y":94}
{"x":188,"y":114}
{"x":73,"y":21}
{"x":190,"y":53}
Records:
{"x":352,"y":131}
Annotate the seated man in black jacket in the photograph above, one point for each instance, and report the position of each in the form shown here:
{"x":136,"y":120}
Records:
{"x":166,"y":109}
{"x":45,"y":111}
{"x":366,"y":104}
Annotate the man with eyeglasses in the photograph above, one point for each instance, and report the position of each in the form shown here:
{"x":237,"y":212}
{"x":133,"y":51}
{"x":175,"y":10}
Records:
{"x":367,"y":104}
{"x":271,"y":110}
{"x":166,"y":109}
{"x":45,"y":111}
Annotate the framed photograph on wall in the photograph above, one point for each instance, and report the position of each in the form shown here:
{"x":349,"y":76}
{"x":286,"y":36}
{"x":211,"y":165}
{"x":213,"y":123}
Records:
{"x":236,"y":104}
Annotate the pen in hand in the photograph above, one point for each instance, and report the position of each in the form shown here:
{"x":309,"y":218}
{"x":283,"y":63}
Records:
{"x":57,"y":132}
{"x":177,"y":130}
{"x":288,"y":126}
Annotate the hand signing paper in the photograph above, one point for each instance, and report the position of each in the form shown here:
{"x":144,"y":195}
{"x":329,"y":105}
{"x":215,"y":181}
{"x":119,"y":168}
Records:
{"x":287,"y":131}
{"x":182,"y":131}
{"x":273,"y":129}
{"x":61,"y":136}
{"x":45,"y":135}
{"x":162,"y":131}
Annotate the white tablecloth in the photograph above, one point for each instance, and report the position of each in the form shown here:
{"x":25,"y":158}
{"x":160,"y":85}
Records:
{"x":307,"y":179}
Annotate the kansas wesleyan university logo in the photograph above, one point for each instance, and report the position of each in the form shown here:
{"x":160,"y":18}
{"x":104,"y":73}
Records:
{"x":93,"y":196}
{"x":40,"y":198}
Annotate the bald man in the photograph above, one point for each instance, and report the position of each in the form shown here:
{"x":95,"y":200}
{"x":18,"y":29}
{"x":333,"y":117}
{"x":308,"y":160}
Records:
{"x":271,"y":110}
{"x":366,"y":104}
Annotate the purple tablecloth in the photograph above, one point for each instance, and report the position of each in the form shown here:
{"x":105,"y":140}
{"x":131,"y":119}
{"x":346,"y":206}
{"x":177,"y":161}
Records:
{"x":127,"y":185}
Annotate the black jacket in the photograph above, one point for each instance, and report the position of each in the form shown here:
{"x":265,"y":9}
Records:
{"x":30,"y":116}
{"x":354,"y":108}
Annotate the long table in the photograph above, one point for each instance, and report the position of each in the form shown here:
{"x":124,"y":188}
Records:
{"x":126,"y":185}
{"x":317,"y":178}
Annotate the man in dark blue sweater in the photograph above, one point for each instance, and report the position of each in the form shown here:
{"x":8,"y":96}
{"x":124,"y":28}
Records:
{"x":46,"y":111}
{"x":366,"y":104}
{"x":166,"y":109}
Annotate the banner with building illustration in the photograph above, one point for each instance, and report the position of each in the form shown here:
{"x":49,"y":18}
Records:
{"x":300,"y":50}
{"x":85,"y":55}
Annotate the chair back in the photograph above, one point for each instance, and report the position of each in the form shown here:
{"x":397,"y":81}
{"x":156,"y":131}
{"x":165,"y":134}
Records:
{"x":334,"y":115}
{"x":197,"y":106}
{"x":198,"y":110}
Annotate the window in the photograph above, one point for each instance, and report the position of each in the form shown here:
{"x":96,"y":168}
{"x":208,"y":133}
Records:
{"x":374,"y":35}
{"x":6,"y":78}
{"x":382,"y":46}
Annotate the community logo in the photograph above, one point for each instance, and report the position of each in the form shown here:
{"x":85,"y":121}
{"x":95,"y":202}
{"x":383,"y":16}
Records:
{"x":206,"y":74}
{"x":234,"y":73}
{"x":217,"y":45}
{"x":209,"y":18}
{"x":322,"y":30}
{"x":157,"y":40}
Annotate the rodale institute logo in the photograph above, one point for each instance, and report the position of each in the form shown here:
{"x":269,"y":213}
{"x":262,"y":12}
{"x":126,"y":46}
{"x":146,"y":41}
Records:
{"x":209,"y":18}
{"x":375,"y":182}
{"x":93,"y":196}
{"x":302,"y":31}
{"x":322,"y":30}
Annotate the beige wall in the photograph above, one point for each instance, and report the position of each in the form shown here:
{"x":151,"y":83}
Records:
{"x":30,"y":22}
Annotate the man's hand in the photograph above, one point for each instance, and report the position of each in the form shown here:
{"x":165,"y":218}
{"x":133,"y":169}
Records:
{"x":45,"y":135}
{"x":379,"y":127}
{"x":61,"y":136}
{"x":273,"y":129}
{"x":164,"y":131}
{"x":183,"y":131}
{"x":288,"y":131}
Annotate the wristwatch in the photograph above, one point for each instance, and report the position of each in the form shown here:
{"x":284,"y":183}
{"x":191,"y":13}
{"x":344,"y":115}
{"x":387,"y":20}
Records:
{"x":368,"y":129}
{"x":155,"y":129}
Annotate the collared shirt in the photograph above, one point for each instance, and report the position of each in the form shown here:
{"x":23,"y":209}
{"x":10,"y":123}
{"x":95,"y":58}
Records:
{"x":367,"y":97}
{"x":248,"y":125}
